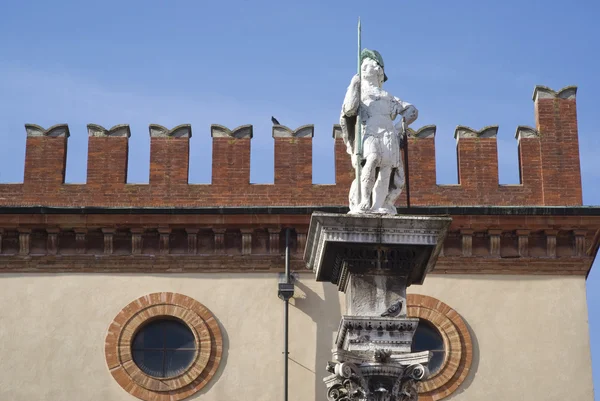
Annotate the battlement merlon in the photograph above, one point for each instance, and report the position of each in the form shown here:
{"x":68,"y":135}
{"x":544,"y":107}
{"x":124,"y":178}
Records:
{"x":549,"y":166}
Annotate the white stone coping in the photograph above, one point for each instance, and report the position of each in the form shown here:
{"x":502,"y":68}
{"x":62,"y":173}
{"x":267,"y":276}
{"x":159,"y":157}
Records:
{"x":461,"y":131}
{"x":524,"y":131}
{"x":544,"y":92}
{"x":180,"y":131}
{"x":118,"y":131}
{"x":241,"y":132}
{"x":56,"y":131}
{"x":427,"y":131}
{"x":304,"y":131}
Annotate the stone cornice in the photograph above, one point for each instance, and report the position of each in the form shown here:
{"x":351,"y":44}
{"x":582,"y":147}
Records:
{"x":496,"y":244}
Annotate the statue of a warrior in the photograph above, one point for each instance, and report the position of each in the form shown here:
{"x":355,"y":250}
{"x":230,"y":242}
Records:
{"x":382,"y":176}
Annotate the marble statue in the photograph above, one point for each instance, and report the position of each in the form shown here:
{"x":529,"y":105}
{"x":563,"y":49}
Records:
{"x":382,"y":175}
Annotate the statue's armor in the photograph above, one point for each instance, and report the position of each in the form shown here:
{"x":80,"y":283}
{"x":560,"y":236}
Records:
{"x":379,"y":134}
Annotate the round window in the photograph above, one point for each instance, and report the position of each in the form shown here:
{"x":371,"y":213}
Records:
{"x":164,"y":348}
{"x":428,"y":338}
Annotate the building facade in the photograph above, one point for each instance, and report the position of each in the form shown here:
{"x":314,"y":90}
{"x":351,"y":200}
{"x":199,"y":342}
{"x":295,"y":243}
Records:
{"x":168,"y":291}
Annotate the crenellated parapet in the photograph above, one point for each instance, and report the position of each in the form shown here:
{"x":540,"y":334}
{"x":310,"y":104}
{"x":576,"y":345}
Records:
{"x":548,"y":165}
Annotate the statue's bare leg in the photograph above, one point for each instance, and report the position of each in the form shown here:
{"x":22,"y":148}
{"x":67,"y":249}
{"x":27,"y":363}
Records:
{"x":396,"y":187}
{"x":367,"y":180}
{"x":352,"y":200}
{"x":380,"y":190}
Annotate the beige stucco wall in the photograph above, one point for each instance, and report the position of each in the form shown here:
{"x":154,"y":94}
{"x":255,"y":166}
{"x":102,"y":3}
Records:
{"x":530,"y":334}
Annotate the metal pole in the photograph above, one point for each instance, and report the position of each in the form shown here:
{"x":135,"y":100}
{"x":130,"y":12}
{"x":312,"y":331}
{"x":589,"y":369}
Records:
{"x":286,"y":306}
{"x":406,"y":173}
{"x":358,"y":147}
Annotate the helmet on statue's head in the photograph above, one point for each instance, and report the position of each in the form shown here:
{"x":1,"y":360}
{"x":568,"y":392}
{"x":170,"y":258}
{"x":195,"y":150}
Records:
{"x":375,"y":56}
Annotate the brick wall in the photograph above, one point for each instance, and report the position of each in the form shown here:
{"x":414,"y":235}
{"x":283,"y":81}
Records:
{"x":548,"y":159}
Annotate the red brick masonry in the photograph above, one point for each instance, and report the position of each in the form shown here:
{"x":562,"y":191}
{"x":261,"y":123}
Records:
{"x":548,"y":157}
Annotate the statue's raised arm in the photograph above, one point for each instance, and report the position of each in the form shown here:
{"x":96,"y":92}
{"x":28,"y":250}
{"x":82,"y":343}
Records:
{"x":382,"y":177}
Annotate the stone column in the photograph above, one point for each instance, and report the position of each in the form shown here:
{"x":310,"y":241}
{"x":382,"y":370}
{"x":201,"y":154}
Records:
{"x":373,"y":260}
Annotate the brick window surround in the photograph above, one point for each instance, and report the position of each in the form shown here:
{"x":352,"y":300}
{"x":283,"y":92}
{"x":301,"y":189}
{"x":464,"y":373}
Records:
{"x":457,"y":343}
{"x":124,"y":327}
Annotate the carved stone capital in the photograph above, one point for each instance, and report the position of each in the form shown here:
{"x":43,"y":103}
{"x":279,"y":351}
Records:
{"x":373,"y":382}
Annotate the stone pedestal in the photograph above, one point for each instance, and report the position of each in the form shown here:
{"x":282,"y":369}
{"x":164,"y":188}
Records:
{"x":373,"y":259}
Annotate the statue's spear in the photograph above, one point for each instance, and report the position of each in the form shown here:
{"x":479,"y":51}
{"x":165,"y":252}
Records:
{"x":406,"y":175}
{"x":358,"y":139}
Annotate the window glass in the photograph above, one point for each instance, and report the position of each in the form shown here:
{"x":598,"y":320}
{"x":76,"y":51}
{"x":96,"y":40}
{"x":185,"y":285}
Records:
{"x":164,"y":348}
{"x":428,"y":338}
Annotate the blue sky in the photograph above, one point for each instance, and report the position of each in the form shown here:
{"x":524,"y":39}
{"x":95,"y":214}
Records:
{"x":471,"y":63}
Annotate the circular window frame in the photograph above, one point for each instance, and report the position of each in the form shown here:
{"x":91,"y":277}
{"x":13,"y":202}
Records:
{"x":207,"y":338}
{"x":457,"y":343}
